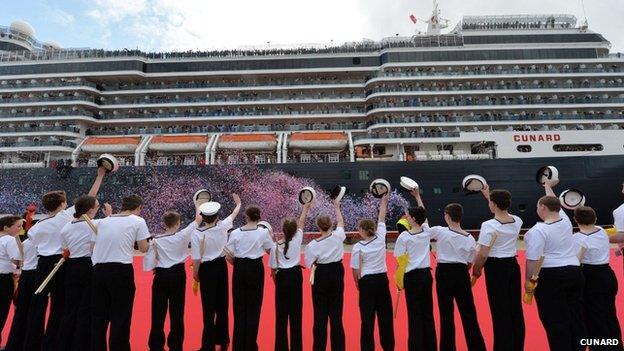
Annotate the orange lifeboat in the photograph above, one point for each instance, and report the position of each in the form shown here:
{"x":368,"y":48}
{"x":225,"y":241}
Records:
{"x":116,"y":145}
{"x":244,"y":142}
{"x":318,"y":141}
{"x":179,"y":143}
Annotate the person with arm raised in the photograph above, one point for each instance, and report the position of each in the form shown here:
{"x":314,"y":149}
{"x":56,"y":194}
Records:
{"x":285,"y":261}
{"x":368,"y":262}
{"x":208,"y":251}
{"x":326,"y":253}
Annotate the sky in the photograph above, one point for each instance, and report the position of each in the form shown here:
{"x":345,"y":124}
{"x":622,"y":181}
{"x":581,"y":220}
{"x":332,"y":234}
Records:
{"x":167,"y":25}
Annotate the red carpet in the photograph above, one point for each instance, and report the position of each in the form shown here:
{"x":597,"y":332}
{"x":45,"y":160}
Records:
{"x":535,"y":336}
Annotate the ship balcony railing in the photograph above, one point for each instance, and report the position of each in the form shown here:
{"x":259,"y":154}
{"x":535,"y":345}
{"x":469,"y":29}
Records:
{"x":259,"y":100}
{"x":64,"y":54}
{"x":479,"y":72}
{"x":492,"y":87}
{"x":234,"y":113}
{"x":311,"y":157}
{"x":406,"y":135}
{"x":37,"y":143}
{"x":35,"y":114}
{"x":233,"y":158}
{"x":498,"y":118}
{"x":47,"y":99}
{"x":4,"y":85}
{"x":491,"y":102}
{"x":204,"y":85}
{"x":36,"y":129}
{"x":226,"y":129}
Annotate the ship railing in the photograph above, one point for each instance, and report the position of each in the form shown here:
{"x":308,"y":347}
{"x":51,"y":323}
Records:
{"x":38,"y":143}
{"x":243,"y":83}
{"x":156,"y":114}
{"x":47,"y":99}
{"x":362,"y":47}
{"x":492,"y":87}
{"x":39,"y":129}
{"x":171,"y":100}
{"x":478,"y":72}
{"x":391,"y":135}
{"x":501,"y":118}
{"x":495,"y":102}
{"x":28,"y":85}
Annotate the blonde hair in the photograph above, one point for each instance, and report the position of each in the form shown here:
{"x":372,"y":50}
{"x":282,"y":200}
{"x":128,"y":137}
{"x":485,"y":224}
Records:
{"x":367,"y":226}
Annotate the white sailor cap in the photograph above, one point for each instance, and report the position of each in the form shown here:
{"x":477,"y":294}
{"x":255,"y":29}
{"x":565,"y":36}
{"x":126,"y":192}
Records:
{"x":265,"y":224}
{"x":571,"y":199}
{"x":379,"y":187}
{"x":109,"y":162}
{"x":409,"y":183}
{"x":337,"y":193}
{"x":209,"y":208}
{"x":474,"y":182}
{"x":204,"y":194}
{"x":547,"y":173}
{"x":306,"y":195}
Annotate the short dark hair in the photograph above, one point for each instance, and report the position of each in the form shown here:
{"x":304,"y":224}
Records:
{"x":324,"y":223}
{"x":83,"y":204}
{"x":8,"y":221}
{"x":585,"y":215}
{"x":551,"y":202}
{"x":418,"y":213}
{"x":501,"y":198}
{"x":455,"y":211}
{"x":253,"y":212}
{"x":131,"y":203}
{"x":52,"y":200}
{"x":210,"y":219}
{"x":171,"y":218}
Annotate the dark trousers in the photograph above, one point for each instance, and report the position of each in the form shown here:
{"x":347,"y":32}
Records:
{"x":247,"y":292}
{"x":213,"y":278}
{"x":75,"y":330}
{"x":26,"y":289}
{"x":112,"y":296}
{"x":559,"y":297}
{"x":328,"y":300}
{"x":504,"y":289}
{"x":418,"y":284}
{"x":601,"y":288}
{"x":375,"y":300}
{"x":288,"y":308}
{"x":36,"y":338}
{"x":168,"y":289}
{"x":453,"y":284}
{"x":6,"y":294}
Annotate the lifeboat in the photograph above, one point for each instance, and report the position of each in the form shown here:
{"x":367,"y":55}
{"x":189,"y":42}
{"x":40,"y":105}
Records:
{"x":116,"y":145}
{"x":318,"y":141}
{"x":179,"y":143}
{"x":263,"y":142}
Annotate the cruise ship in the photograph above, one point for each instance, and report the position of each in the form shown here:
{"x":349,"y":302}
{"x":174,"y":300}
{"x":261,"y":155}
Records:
{"x":496,"y":95}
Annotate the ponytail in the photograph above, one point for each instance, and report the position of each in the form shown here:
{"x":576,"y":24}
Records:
{"x":289,"y":228}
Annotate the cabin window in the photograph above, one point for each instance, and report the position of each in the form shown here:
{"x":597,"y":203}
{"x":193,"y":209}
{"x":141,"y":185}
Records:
{"x":524,"y":148}
{"x":363,"y":175}
{"x":522,"y":207}
{"x":577,"y":147}
{"x":437,"y":191}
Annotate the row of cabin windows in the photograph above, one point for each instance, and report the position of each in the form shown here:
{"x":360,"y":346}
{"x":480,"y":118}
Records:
{"x":566,"y":148}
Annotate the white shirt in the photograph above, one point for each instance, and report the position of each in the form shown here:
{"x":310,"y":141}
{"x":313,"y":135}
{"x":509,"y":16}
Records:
{"x":249,"y":243}
{"x":30,"y":255}
{"x":452,"y":246}
{"x":76,"y":236}
{"x":214,"y":240}
{"x":326,"y":250}
{"x":505,"y":244}
{"x":46,"y":233}
{"x":8,"y":251}
{"x":370,"y":256}
{"x":553,"y":241}
{"x":172,"y":249}
{"x":618,"y":218}
{"x":293,"y":253}
{"x":596,"y":246}
{"x":417,"y":247}
{"x":116,"y":236}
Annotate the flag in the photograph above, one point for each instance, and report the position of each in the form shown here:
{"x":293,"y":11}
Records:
{"x":413,"y":18}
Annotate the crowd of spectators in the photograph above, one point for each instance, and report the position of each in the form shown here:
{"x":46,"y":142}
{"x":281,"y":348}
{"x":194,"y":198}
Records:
{"x":502,"y":69}
{"x":37,"y":141}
